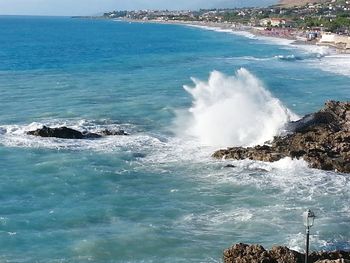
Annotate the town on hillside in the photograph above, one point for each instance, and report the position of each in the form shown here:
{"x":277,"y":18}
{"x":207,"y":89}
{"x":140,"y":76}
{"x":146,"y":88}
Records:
{"x":323,"y":22}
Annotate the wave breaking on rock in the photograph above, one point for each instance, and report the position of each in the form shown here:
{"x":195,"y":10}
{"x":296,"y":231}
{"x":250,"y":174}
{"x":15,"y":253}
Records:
{"x":233,"y":110}
{"x":322,"y":139}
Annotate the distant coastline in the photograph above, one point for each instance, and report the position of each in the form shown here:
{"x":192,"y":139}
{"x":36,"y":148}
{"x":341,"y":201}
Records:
{"x":295,"y":36}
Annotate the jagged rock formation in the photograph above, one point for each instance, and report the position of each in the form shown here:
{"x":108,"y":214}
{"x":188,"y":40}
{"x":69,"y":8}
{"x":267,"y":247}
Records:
{"x":243,"y":253}
{"x":68,"y":133}
{"x":322,"y":139}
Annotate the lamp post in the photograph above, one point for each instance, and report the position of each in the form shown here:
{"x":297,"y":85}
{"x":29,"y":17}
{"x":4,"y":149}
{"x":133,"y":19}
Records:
{"x":309,"y":218}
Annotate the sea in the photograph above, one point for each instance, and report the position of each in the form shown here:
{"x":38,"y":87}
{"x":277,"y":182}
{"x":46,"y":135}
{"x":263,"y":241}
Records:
{"x":157,"y":195}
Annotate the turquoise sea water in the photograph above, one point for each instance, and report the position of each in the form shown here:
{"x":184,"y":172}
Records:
{"x":156,"y":195}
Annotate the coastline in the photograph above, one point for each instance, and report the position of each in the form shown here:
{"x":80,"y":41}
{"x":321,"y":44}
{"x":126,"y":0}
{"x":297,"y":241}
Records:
{"x":281,"y":36}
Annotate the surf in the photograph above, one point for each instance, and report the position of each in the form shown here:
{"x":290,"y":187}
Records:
{"x":233,"y":111}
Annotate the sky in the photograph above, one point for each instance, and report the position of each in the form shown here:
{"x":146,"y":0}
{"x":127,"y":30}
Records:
{"x":95,"y":7}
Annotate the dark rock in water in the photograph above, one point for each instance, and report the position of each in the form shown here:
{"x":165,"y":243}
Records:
{"x":230,"y":166}
{"x":68,"y":133}
{"x":243,"y":253}
{"x":139,"y":155}
{"x":61,"y":132}
{"x":322,"y":139}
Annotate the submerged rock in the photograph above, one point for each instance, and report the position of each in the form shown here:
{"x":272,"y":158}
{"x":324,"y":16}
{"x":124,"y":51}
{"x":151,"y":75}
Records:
{"x":230,"y":166}
{"x":68,"y":133}
{"x":243,"y":253}
{"x":2,"y":130}
{"x":322,"y":139}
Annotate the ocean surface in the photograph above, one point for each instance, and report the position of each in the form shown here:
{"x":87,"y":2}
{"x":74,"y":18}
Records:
{"x":157,"y":195}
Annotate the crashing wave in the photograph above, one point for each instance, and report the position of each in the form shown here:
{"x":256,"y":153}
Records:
{"x":233,"y":110}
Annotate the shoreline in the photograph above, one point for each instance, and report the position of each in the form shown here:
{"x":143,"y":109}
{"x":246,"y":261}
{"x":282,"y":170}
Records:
{"x":278,"y":35}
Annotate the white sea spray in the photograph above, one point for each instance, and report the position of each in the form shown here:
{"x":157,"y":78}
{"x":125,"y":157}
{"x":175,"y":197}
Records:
{"x":233,"y":111}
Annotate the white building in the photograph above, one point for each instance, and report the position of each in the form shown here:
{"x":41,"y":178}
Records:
{"x":272,"y":22}
{"x":337,"y":40}
{"x":327,"y":38}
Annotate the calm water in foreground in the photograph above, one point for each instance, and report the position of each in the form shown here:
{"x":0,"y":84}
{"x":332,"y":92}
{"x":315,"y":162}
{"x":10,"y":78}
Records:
{"x":156,"y":195}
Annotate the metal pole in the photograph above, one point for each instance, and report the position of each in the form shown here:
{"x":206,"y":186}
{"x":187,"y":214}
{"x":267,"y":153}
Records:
{"x":307,"y":244}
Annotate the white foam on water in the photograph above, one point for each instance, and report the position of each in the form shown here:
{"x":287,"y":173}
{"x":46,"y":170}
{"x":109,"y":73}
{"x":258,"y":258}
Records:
{"x":278,"y":175}
{"x":339,"y":64}
{"x":211,"y":28}
{"x":292,"y":176}
{"x":285,"y":164}
{"x":16,"y":136}
{"x":244,"y":34}
{"x":249,"y":58}
{"x":148,"y":149}
{"x":233,"y":111}
{"x":297,"y":242}
{"x":216,"y":217}
{"x":323,"y":58}
{"x":232,"y":31}
{"x":275,"y":40}
{"x":319,"y":51}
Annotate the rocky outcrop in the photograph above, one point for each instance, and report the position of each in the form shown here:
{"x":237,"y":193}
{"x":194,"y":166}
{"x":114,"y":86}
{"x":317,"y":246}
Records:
{"x":322,"y":139}
{"x":243,"y":253}
{"x":68,"y":133}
